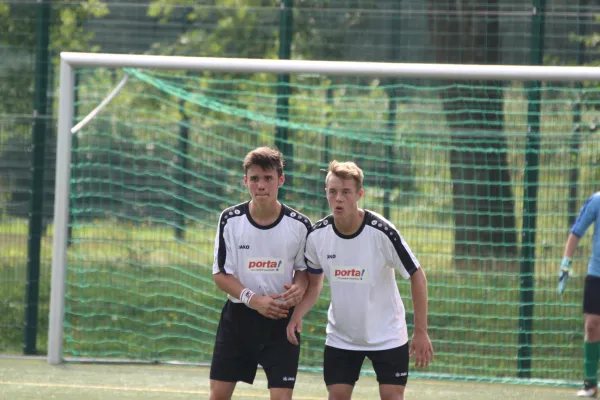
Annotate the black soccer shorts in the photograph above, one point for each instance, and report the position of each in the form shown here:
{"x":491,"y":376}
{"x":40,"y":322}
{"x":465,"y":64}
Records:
{"x":591,"y":295}
{"x":343,"y":366}
{"x":245,"y":339}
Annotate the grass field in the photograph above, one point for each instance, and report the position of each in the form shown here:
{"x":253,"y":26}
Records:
{"x":28,"y":379}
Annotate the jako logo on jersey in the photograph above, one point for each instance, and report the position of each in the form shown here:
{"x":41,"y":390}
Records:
{"x":330,"y":256}
{"x":265,"y":265}
{"x":244,"y":246}
{"x":349,"y":274}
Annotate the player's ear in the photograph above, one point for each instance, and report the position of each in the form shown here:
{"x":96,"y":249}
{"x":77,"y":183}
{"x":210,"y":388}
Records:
{"x":361,"y":192}
{"x":281,"y":180}
{"x":245,"y":180}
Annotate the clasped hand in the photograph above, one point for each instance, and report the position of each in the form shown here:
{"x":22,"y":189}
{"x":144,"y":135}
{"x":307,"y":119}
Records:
{"x":277,"y":306}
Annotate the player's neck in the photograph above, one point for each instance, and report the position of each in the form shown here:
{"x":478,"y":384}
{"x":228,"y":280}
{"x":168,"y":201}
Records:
{"x":264,"y":214}
{"x":351,"y":223}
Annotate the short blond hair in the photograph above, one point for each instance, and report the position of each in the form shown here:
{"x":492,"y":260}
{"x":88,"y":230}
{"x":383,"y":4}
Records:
{"x":346,"y":170}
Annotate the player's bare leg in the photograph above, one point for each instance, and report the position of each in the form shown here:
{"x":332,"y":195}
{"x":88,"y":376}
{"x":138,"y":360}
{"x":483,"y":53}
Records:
{"x":592,"y":328}
{"x":340,"y":391}
{"x":220,"y":390}
{"x":281,"y":393}
{"x":391,"y":392}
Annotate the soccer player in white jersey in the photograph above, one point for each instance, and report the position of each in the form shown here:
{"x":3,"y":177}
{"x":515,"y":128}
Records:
{"x":358,"y":251}
{"x":259,"y":262}
{"x":589,"y":214}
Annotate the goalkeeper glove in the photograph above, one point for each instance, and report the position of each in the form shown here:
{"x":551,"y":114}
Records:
{"x":563,"y":274}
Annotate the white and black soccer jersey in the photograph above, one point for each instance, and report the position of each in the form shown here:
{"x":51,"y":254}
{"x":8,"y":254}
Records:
{"x":366,"y":311}
{"x":262,"y":258}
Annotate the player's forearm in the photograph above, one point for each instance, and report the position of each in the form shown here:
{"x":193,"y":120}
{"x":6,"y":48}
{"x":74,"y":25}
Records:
{"x":418,"y":291}
{"x":571,"y":245}
{"x":229,"y":284}
{"x":301,"y":279}
{"x":313,"y":291}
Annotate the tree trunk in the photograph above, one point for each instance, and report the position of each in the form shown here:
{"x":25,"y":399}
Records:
{"x":467,"y":32}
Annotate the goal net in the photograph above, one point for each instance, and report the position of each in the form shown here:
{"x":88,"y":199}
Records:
{"x":482,"y":174}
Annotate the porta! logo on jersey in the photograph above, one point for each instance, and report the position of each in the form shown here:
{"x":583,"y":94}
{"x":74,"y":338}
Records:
{"x":265,"y":265}
{"x":349,"y":274}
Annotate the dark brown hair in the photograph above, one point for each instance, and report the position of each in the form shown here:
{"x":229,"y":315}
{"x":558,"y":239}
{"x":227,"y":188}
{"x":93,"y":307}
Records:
{"x":266,"y":158}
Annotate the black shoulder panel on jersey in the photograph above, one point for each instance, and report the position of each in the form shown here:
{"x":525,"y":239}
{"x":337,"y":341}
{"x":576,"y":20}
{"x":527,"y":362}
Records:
{"x":228,"y":213}
{"x":235,"y":211}
{"x":295,"y":215}
{"x":393,"y":235}
{"x":382,"y":225}
{"x":323,"y":223}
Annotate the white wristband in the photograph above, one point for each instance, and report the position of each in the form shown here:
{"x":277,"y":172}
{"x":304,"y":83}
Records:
{"x":246,"y":296}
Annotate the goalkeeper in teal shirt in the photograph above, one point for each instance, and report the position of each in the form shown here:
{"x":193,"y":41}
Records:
{"x":590,"y":214}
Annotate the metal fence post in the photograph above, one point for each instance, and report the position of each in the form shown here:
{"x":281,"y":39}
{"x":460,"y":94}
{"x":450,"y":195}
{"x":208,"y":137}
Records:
{"x":37,"y":180}
{"x":531,"y":183}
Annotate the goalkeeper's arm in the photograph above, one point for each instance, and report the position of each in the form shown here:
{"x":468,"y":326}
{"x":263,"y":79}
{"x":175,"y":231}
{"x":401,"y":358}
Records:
{"x":571,"y":245}
{"x":565,"y":265}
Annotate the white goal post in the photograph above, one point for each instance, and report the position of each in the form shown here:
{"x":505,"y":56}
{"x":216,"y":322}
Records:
{"x":70,"y":61}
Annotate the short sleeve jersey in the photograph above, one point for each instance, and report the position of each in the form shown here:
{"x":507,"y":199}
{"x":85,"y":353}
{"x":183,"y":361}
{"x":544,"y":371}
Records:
{"x":366,"y":311}
{"x":262,"y":258}
{"x":590,"y":214}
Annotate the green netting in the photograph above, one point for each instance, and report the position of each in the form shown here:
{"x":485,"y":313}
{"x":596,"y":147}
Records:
{"x":444,"y":161}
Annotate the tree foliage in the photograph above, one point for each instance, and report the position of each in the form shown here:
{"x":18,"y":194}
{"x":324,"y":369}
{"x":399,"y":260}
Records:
{"x":19,"y":23}
{"x":483,"y":202}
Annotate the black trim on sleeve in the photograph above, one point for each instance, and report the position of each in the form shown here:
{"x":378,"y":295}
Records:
{"x":227,"y":214}
{"x":315,"y":271}
{"x":394,"y":236}
{"x":323,"y":223}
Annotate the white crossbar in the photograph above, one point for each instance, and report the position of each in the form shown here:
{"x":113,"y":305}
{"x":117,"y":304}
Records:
{"x":400,"y":70}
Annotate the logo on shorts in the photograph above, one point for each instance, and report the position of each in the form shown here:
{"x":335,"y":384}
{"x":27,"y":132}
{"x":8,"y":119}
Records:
{"x":349,"y":274}
{"x":288,"y":379}
{"x":265,"y":265}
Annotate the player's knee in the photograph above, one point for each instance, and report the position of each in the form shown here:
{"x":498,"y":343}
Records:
{"x":215,"y":395}
{"x":281,"y":394}
{"x":339,"y":392}
{"x":221,"y":390}
{"x":338,"y":396}
{"x":391,"y":392}
{"x":592,"y":327}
